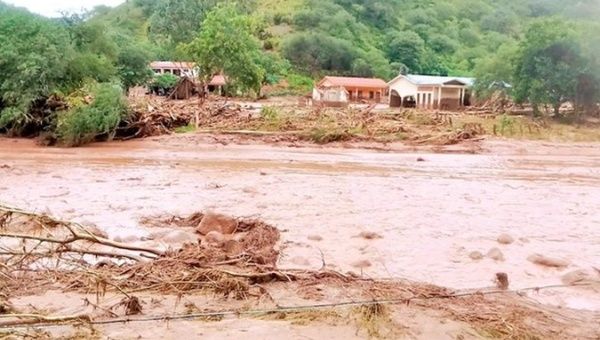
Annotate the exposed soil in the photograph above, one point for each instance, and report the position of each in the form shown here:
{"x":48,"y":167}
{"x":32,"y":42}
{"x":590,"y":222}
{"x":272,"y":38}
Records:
{"x":424,"y":214}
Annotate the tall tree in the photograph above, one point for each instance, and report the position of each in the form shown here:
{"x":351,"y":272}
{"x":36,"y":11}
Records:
{"x":226,"y":44}
{"x":548,"y":65}
{"x":178,"y":21}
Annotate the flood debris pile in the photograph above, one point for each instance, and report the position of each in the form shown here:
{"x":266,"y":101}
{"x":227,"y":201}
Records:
{"x":232,"y":260}
{"x":37,"y":249}
{"x":155,"y":115}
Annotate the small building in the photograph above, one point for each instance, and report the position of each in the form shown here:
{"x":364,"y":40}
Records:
{"x":217,"y":83}
{"x":350,"y":89}
{"x":184,"y":89}
{"x":430,"y":92}
{"x":178,"y":68}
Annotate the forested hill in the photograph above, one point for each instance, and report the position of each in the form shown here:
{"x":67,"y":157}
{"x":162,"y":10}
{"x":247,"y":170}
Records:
{"x":549,"y":50}
{"x":362,"y":37}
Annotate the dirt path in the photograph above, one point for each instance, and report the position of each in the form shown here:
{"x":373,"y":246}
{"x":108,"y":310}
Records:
{"x":428,"y":215}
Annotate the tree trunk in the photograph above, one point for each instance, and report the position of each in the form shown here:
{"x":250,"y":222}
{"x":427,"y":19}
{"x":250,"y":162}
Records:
{"x":556,"y":107}
{"x":536,"y":110}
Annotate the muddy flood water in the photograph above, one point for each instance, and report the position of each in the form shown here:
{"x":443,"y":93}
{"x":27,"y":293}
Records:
{"x":429,"y":215}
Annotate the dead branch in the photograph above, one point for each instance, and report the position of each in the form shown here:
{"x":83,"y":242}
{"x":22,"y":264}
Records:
{"x":79,"y":233}
{"x":68,"y":250}
{"x":41,"y":319}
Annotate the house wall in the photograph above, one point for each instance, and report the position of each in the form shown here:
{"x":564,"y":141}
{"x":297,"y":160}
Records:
{"x":330,"y":95}
{"x":176,"y":71}
{"x":403,"y":87}
{"x":428,"y":96}
{"x":372,"y":94}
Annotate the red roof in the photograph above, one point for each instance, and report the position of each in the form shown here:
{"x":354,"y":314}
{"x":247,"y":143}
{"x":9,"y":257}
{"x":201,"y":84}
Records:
{"x":218,"y":80}
{"x":353,"y":82}
{"x":171,"y":65}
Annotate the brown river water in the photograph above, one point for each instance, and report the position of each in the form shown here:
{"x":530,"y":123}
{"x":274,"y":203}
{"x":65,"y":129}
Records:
{"x":430,"y":214}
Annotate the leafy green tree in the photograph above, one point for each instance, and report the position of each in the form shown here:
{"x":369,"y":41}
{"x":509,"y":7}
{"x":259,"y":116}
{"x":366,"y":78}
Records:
{"x":83,"y":124}
{"x":495,"y":72}
{"x":548,"y":65}
{"x":226,"y":44}
{"x":34,"y":58}
{"x":313,"y":52}
{"x":407,"y":48}
{"x":89,"y":66}
{"x":132,"y":66}
{"x":178,"y":21}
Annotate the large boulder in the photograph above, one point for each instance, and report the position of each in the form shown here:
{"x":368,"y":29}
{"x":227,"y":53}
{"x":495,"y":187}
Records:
{"x":575,"y":277}
{"x":476,"y":255}
{"x":547,"y":261}
{"x":505,"y":239}
{"x":495,"y":254}
{"x":223,"y":224}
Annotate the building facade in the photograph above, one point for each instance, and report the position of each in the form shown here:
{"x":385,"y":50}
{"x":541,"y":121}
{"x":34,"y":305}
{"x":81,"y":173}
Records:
{"x":350,"y":89}
{"x":430,"y":92}
{"x":178,"y":68}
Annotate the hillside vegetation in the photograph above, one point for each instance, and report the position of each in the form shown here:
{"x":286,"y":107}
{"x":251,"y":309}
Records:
{"x":547,"y":49}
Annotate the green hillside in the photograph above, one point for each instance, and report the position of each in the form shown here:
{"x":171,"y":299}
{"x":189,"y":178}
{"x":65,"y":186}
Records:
{"x":549,"y":50}
{"x":363,"y":37}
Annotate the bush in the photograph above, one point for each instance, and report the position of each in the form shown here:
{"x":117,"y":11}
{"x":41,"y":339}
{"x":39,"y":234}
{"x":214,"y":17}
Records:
{"x":83,"y":124}
{"x":12,"y":118}
{"x":326,"y":136}
{"x":300,"y":83}
{"x":269,"y":113}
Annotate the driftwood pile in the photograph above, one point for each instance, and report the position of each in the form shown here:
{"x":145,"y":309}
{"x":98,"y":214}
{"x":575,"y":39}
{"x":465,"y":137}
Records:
{"x":154,"y":115}
{"x":38,"y":248}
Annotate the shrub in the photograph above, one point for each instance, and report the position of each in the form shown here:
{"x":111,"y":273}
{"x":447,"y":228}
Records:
{"x":83,"y":124}
{"x":325,"y":136}
{"x":269,"y":113}
{"x":507,"y":124}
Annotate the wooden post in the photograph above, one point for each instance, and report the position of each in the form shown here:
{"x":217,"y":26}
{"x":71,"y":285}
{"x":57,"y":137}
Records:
{"x":462,"y":98}
{"x":439,"y":101}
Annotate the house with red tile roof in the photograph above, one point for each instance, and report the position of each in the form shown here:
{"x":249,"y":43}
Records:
{"x":350,"y":89}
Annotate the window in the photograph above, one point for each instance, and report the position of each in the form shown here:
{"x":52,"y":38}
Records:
{"x":177,"y":72}
{"x":371,"y":95}
{"x":360,"y":95}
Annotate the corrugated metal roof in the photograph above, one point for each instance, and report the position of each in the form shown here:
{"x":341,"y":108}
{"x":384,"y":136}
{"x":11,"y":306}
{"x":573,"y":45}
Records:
{"x":171,"y":65}
{"x":355,"y":82}
{"x":437,"y":80}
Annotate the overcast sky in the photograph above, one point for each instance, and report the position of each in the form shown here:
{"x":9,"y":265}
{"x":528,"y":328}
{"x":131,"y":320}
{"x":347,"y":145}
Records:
{"x":54,"y":7}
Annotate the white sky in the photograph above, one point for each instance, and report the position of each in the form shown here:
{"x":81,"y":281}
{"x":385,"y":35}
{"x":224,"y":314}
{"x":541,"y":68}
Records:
{"x":54,"y":7}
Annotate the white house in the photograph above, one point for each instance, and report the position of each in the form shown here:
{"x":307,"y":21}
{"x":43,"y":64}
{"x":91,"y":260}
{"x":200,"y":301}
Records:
{"x":334,"y":94}
{"x":430,"y":92}
{"x":178,"y":68}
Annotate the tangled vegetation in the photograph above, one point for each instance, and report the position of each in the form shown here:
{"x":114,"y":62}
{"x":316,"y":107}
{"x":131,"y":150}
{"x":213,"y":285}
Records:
{"x":85,"y":122}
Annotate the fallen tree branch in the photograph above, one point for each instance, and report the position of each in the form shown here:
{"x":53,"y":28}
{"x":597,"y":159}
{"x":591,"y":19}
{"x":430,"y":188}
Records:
{"x":78,"y":235}
{"x":72,"y":250}
{"x":41,"y":319}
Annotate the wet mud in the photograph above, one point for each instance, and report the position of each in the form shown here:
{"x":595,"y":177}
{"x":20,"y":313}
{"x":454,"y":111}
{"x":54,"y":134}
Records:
{"x":427,"y":212}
